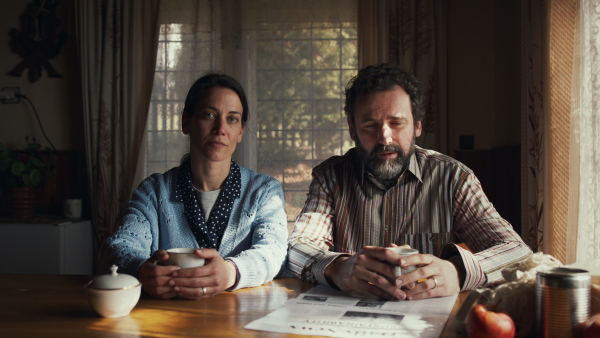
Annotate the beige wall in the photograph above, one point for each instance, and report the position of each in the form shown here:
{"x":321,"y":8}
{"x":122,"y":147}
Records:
{"x":483,"y":79}
{"x":55,"y":99}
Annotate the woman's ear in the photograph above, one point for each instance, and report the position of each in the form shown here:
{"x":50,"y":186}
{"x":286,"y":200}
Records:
{"x":239,"y":140}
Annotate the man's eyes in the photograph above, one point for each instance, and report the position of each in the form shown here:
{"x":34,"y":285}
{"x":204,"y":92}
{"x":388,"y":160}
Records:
{"x":392,"y":123}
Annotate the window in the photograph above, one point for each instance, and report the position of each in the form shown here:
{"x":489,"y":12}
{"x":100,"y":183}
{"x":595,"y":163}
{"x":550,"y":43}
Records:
{"x":301,"y":73}
{"x":296,"y":82}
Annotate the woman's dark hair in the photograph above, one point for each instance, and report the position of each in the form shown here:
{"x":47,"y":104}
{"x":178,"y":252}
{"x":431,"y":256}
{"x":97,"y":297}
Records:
{"x":384,"y":77}
{"x":212,"y":80}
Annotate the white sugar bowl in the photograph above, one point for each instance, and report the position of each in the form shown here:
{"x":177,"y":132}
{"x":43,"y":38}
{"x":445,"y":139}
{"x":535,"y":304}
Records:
{"x":113,"y":295}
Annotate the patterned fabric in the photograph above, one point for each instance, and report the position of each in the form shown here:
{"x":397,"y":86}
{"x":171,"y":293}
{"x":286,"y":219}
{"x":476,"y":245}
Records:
{"x":436,"y":202}
{"x":208,"y":233}
{"x":533,"y":122}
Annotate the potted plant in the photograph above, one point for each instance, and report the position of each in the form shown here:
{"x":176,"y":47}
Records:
{"x":21,"y":173}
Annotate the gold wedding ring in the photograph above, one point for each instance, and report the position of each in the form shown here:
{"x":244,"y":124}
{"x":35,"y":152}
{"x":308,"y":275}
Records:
{"x":204,"y":290}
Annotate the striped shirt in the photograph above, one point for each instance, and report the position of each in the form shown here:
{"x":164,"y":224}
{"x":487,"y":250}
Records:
{"x":436,"y":202}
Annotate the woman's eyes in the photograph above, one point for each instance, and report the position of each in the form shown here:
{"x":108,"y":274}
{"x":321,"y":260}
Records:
{"x":212,"y":116}
{"x":208,"y":115}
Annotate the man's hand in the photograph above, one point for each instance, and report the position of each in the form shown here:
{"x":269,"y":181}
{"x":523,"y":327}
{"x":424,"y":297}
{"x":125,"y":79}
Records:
{"x":155,"y":278}
{"x":371,"y":270}
{"x":438,"y":277}
{"x":204,"y":281}
{"x":368,"y":270}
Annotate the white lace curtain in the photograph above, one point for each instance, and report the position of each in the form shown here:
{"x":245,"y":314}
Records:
{"x":588,"y":238}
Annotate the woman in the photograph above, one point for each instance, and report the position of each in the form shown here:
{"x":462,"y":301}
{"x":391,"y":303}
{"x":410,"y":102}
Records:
{"x":234,"y":214}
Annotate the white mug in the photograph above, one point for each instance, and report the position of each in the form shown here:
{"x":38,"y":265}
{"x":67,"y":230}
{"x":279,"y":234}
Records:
{"x":72,"y":208}
{"x":404,"y":252}
{"x":184,"y":258}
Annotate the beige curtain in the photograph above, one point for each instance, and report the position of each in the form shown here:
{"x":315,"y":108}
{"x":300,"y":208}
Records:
{"x":563,"y":155}
{"x":373,"y":32}
{"x":412,"y":34}
{"x":117,"y":42}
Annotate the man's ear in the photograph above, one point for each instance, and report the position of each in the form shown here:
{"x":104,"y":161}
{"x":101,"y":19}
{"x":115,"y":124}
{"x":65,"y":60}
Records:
{"x":185,"y":123}
{"x":418,"y":128}
{"x":351,"y":128}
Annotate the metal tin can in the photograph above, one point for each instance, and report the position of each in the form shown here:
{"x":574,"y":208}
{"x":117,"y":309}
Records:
{"x":562,"y":299}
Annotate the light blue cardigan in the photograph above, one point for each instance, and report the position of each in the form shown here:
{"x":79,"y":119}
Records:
{"x":255,"y":238}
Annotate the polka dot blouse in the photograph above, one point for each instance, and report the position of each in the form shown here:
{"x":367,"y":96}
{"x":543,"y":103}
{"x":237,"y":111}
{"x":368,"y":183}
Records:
{"x":208,"y":233}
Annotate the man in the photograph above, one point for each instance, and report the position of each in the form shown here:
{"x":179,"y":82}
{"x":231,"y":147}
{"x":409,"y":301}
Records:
{"x":387,"y":191}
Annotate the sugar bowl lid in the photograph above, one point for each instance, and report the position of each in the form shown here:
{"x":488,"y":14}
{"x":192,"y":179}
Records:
{"x":113,"y":281}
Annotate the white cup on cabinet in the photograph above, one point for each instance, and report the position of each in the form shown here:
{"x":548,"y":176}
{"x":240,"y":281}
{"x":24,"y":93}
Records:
{"x":72,"y":208}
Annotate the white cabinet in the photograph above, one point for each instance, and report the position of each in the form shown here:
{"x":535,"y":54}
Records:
{"x":64,"y":248}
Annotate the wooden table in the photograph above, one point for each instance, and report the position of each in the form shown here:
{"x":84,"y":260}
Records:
{"x":46,"y":305}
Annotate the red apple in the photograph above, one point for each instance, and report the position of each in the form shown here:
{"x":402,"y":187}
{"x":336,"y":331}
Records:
{"x":592,"y":327}
{"x":482,"y":323}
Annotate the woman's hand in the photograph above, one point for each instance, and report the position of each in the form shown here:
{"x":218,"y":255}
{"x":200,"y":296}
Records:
{"x":204,"y":281}
{"x":155,"y":278}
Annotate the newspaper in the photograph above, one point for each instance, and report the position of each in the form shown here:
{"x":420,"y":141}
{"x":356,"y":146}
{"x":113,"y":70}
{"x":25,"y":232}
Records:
{"x":326,"y":312}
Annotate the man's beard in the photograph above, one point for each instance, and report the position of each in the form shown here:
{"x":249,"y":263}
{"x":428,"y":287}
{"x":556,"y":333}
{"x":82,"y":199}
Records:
{"x":385,"y":169}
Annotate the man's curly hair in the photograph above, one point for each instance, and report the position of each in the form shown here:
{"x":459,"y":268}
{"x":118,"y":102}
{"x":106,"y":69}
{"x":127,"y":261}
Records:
{"x":384,"y":77}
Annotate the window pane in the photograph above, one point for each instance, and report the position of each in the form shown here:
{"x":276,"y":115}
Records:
{"x":327,"y":54}
{"x":269,"y":85}
{"x":296,"y":115}
{"x":270,"y":52}
{"x":328,"y":85}
{"x":297,"y":54}
{"x":296,"y":85}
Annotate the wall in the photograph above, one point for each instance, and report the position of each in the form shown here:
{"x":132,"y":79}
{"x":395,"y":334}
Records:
{"x":484,"y":96}
{"x":484,"y":73}
{"x":55,"y":99}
